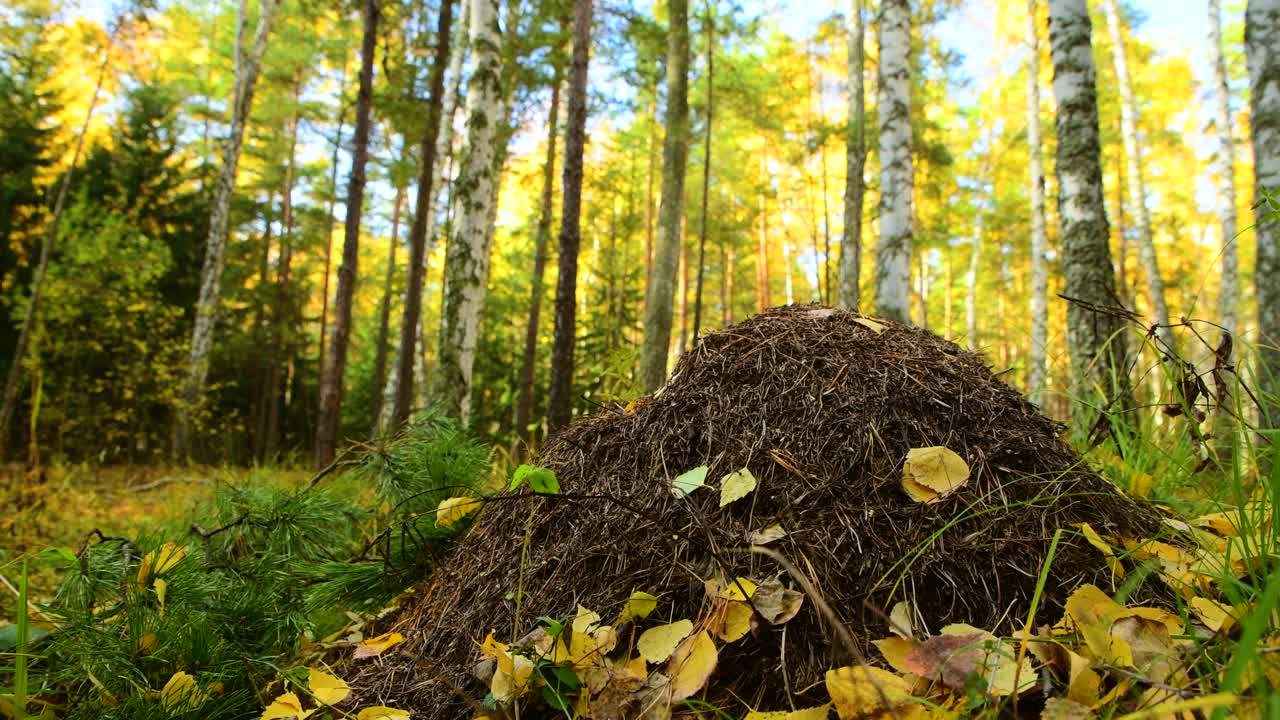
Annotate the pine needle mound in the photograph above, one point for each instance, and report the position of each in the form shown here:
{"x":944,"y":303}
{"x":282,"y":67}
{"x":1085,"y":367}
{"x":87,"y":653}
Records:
{"x":823,"y":408}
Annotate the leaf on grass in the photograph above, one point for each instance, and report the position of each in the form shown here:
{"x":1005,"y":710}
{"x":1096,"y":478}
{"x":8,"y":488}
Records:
{"x":1215,"y":616}
{"x":870,"y":324}
{"x":736,"y":485}
{"x":286,"y":706}
{"x":181,"y":694}
{"x":1104,"y":547}
{"x":691,"y":665}
{"x":932,"y":473}
{"x":657,"y":643}
{"x":1226,"y":524}
{"x":961,"y":652}
{"x":380,"y":712}
{"x":158,"y":562}
{"x":685,"y":483}
{"x":327,"y":689}
{"x":453,"y":509}
{"x":638,"y":607}
{"x":375,"y":646}
{"x":770,"y":534}
{"x":162,"y":589}
{"x":865,"y":691}
{"x":491,"y":648}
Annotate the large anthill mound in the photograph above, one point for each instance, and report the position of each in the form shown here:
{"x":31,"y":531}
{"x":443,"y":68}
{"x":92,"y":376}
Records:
{"x":823,"y":410}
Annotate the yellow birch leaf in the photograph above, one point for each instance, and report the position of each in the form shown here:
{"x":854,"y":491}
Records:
{"x":931,"y":473}
{"x":770,"y":715}
{"x":1215,"y":616}
{"x":900,"y":622}
{"x":814,"y":713}
{"x":691,"y":666}
{"x":685,"y":483}
{"x":638,"y":607}
{"x":512,"y":678}
{"x":148,"y":643}
{"x":286,"y":706}
{"x":1093,"y":613}
{"x":864,"y":691}
{"x":581,"y":644}
{"x":491,"y":648}
{"x":896,"y":650}
{"x":767,"y":535}
{"x":1108,"y":552}
{"x":870,"y":324}
{"x":737,"y":622}
{"x":740,"y":589}
{"x":158,"y":562}
{"x":381,"y":712}
{"x":162,"y":589}
{"x":657,"y":643}
{"x":375,"y":646}
{"x":453,"y":509}
{"x":736,"y":485}
{"x":1060,"y":709}
{"x":1226,"y":524}
{"x":180,"y":693}
{"x":327,"y":689}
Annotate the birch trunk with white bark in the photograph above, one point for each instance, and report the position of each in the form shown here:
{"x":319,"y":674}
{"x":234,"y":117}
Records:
{"x":1039,"y":232}
{"x":1262,"y":54}
{"x":893,"y":256}
{"x":856,"y":161}
{"x":1225,"y":172}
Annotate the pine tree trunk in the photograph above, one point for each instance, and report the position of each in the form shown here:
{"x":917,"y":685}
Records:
{"x":528,"y":365}
{"x":14,"y":378}
{"x":1039,"y":232}
{"x":856,"y":160}
{"x":331,"y":377}
{"x":384,"y":314}
{"x":560,"y":396}
{"x":1098,"y":360}
{"x":466,"y":262}
{"x":410,"y":326}
{"x":246,"y":80}
{"x":1262,"y":52}
{"x":893,"y":256}
{"x":706,"y":169}
{"x":675,"y":154}
{"x":1137,"y":181}
{"x":1225,"y":167}
{"x":281,"y":337}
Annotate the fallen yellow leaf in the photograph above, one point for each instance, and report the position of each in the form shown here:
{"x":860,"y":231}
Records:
{"x":453,"y":509}
{"x":870,"y":324}
{"x":864,"y":691}
{"x":327,"y":689}
{"x":657,"y":643}
{"x":1215,"y":616}
{"x":767,"y":535}
{"x":181,"y":694}
{"x":691,"y":665}
{"x":736,"y":485}
{"x":511,"y":677}
{"x":931,"y":473}
{"x":638,"y":607}
{"x":375,"y":646}
{"x":1104,"y":547}
{"x":158,"y":562}
{"x":286,"y":706}
{"x":379,"y":712}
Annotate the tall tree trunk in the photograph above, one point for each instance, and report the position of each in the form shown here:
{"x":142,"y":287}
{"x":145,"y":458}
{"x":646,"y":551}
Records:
{"x":246,"y":80}
{"x":1098,"y":362}
{"x":762,"y":243}
{"x":262,"y":328}
{"x":1137,"y":181}
{"x":1039,"y":233}
{"x":788,"y":287}
{"x":466,"y":263}
{"x":331,"y":376}
{"x":1225,"y":168}
{"x":856,"y":159}
{"x":658,"y":304}
{"x":560,"y":396}
{"x":1262,"y":52}
{"x":444,"y":149}
{"x":328,"y":236}
{"x":410,"y":326}
{"x":971,"y":293}
{"x":528,"y":365}
{"x":384,"y":316}
{"x":948,"y":289}
{"x":893,"y":256}
{"x":728,"y":284}
{"x":706,"y":167}
{"x":14,"y":377}
{"x":281,"y":338}
{"x":682,"y":295}
{"x":649,"y":213}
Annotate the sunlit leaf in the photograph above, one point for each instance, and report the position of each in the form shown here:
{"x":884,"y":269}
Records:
{"x":326,"y":688}
{"x":511,"y":677}
{"x":181,"y":694}
{"x":375,"y":646}
{"x":870,"y":324}
{"x":685,"y":483}
{"x":657,"y":643}
{"x":1215,"y":616}
{"x":736,"y":485}
{"x":638,"y":607}
{"x":691,"y":665}
{"x":453,"y":509}
{"x":932,"y":473}
{"x":379,"y":712}
{"x":863,"y":691}
{"x":286,"y":706}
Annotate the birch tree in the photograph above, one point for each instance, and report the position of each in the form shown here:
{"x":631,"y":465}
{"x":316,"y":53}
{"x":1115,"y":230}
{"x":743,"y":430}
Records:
{"x":660,"y":300}
{"x":467,"y":259}
{"x":1096,"y":359}
{"x":1262,"y":55}
{"x":856,"y":160}
{"x":247,"y":68}
{"x":709,"y":24}
{"x":1225,"y":172}
{"x":334,"y":367}
{"x":893,"y":256}
{"x":1039,"y":233}
{"x":560,"y":395}
{"x":410,"y":327}
{"x":1137,"y":178}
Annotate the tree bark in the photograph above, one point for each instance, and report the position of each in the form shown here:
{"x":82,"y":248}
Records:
{"x":1097,"y":352}
{"x":14,"y":378}
{"x":331,"y":377}
{"x":467,"y":259}
{"x":281,"y":340}
{"x":1262,"y":53}
{"x":410,"y":326}
{"x":1137,"y":180}
{"x":528,"y":365}
{"x":893,"y":256}
{"x":971,"y":293}
{"x":384,"y":316}
{"x":328,"y":236}
{"x":762,"y":242}
{"x":246,"y":80}
{"x":675,"y":154}
{"x":1039,"y":232}
{"x":706,"y":168}
{"x":560,"y":396}
{"x":1225,"y":167}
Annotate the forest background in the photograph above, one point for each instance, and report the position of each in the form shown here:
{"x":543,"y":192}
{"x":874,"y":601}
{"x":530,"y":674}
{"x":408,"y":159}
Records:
{"x":192,"y":306}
